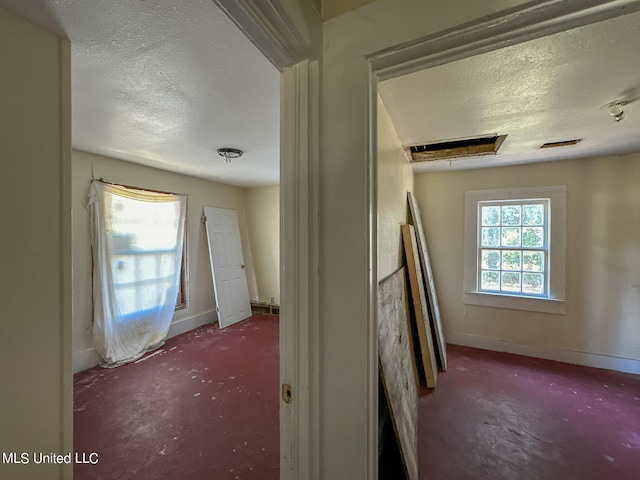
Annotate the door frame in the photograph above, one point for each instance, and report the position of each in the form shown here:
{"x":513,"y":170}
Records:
{"x":275,"y":31}
{"x":270,"y":28}
{"x":531,"y":20}
{"x":509,"y":27}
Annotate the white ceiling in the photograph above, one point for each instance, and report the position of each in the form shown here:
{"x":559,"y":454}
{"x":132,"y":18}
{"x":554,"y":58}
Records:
{"x":165,"y":83}
{"x":547,"y":90}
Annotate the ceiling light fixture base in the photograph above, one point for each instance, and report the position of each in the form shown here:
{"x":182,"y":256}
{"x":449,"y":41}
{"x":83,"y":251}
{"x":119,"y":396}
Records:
{"x":229,"y":154}
{"x":616,"y":111}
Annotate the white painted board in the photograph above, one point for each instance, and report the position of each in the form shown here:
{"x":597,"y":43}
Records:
{"x":227,"y":266}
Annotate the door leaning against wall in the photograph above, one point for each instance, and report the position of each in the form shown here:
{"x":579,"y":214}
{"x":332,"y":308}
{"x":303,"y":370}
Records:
{"x":227,"y":266}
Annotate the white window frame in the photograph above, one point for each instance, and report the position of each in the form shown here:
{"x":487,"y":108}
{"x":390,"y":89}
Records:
{"x":554,"y":299}
{"x":544,"y":248}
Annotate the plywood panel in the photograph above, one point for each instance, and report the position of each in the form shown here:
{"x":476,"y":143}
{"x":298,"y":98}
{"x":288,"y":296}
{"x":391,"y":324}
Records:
{"x":434,"y":310}
{"x":397,"y":368}
{"x":427,"y":352}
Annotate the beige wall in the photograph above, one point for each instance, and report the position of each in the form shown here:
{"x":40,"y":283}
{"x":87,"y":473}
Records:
{"x":395,"y":179}
{"x":263,"y":223}
{"x":201,"y":302}
{"x":35,"y":371}
{"x":347,"y":328}
{"x":603,"y":261}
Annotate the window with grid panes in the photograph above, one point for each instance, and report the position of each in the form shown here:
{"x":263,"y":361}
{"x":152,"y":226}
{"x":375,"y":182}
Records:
{"x":513,"y":247}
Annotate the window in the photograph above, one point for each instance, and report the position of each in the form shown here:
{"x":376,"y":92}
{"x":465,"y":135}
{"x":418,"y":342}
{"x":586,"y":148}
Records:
{"x":514,"y":248}
{"x":143,"y":251}
{"x":138,"y":249}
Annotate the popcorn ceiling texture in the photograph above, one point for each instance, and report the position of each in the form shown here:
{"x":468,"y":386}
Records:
{"x":165,"y":84}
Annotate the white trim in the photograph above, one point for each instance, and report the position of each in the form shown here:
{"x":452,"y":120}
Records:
{"x":66,"y":256}
{"x":86,"y":359}
{"x":524,"y":22}
{"x":595,"y":360}
{"x":371,"y":308}
{"x":521,"y":23}
{"x":269,"y":28}
{"x":532,"y":20}
{"x":300,"y":436}
{"x":554,"y":303}
{"x":190,"y":323}
{"x":515,"y":302}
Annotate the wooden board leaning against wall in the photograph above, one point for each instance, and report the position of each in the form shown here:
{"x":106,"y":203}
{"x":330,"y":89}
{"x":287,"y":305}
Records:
{"x":397,"y":367}
{"x":418,"y":300}
{"x":434,"y":310}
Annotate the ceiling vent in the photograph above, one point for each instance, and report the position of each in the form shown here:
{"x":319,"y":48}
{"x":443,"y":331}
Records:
{"x":450,"y":149}
{"x":564,"y":143}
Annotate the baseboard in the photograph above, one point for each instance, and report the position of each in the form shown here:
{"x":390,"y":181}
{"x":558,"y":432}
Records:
{"x":608,"y":362}
{"x":183,"y":326}
{"x":85,"y":359}
{"x":89,"y":358}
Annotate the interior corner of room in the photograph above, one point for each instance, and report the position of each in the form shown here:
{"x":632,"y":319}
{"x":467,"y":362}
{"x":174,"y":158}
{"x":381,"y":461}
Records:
{"x":599,"y":327}
{"x":258,"y":214}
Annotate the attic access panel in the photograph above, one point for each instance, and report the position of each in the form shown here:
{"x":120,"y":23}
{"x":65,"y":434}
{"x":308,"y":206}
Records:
{"x":449,"y":149}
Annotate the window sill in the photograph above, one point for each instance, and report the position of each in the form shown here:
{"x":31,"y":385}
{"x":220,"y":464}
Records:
{"x":544,"y":305}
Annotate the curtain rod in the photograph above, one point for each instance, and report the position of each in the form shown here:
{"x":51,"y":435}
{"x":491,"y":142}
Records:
{"x":102,"y":180}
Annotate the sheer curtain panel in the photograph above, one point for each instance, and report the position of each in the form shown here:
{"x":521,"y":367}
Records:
{"x":137,"y":241}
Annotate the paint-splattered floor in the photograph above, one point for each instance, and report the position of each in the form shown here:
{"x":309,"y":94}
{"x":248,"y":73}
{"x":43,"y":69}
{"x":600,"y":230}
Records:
{"x":204,"y":406}
{"x":495,"y":416}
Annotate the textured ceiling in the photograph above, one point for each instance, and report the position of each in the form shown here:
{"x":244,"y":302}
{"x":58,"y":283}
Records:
{"x":166,"y":83}
{"x":547,"y":90}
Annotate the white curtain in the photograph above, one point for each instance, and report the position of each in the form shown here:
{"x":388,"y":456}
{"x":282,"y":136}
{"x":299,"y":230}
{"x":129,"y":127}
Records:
{"x":137,"y":240}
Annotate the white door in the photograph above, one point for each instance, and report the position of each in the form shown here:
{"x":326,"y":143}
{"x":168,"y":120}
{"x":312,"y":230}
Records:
{"x":227,"y":266}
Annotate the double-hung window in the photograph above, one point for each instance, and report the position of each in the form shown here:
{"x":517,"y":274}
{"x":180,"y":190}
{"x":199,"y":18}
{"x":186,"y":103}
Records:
{"x":514,"y":248}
